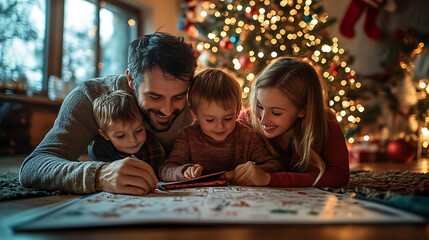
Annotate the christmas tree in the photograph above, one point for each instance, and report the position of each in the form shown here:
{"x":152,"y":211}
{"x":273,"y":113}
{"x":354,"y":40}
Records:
{"x":244,"y":36}
{"x":404,"y":87}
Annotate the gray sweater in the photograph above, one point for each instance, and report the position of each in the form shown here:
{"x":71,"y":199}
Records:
{"x":54,"y":164}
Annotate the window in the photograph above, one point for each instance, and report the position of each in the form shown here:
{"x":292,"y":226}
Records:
{"x":79,"y":40}
{"x":74,"y":39}
{"x":117,"y":30}
{"x":22,"y":37}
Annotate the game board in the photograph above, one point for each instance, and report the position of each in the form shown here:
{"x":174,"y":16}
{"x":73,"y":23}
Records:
{"x":211,"y":205}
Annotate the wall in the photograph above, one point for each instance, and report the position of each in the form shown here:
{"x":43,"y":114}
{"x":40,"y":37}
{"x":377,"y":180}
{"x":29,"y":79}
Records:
{"x":158,"y":14}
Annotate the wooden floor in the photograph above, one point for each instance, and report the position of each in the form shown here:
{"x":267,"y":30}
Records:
{"x":416,"y":165}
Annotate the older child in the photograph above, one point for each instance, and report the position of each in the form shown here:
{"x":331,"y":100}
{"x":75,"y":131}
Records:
{"x":215,"y":141}
{"x":288,"y":109}
{"x":121,"y":131}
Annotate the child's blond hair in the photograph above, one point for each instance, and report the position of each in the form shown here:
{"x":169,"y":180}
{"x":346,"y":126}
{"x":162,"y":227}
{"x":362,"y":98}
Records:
{"x":118,"y":105}
{"x":216,"y":85}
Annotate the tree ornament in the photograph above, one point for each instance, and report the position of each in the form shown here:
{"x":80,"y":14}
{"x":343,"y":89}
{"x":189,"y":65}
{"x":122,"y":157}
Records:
{"x":182,"y":22}
{"x":226,"y":44}
{"x":334,"y":67}
{"x":245,"y":62}
{"x":400,"y":150}
{"x":234,"y":39}
{"x":190,"y":29}
{"x":327,"y":32}
{"x":253,"y":11}
{"x":307,"y":18}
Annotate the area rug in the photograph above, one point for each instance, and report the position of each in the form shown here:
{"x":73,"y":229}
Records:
{"x":402,"y":190}
{"x":11,"y":189}
{"x":367,"y":184}
{"x":382,"y":185}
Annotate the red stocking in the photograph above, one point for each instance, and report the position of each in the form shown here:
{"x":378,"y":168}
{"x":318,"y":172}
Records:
{"x":370,"y":28}
{"x":352,"y":14}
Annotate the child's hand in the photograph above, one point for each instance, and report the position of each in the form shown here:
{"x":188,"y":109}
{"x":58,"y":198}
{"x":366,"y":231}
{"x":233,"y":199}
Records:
{"x":249,"y":174}
{"x":193,"y":171}
{"x":228,"y":176}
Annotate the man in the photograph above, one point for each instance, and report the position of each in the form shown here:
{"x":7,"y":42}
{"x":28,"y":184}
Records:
{"x":160,"y":67}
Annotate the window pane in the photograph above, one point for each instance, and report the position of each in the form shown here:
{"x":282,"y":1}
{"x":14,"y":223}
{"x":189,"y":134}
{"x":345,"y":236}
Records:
{"x":79,"y":40}
{"x":22,"y":36}
{"x":117,"y":29}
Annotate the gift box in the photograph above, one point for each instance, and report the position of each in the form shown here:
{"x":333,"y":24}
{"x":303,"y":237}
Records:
{"x":366,"y":151}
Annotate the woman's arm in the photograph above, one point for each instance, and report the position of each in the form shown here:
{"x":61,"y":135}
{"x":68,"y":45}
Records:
{"x":335,"y":156}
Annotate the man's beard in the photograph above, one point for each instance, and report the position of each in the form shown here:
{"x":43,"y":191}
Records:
{"x":160,"y":126}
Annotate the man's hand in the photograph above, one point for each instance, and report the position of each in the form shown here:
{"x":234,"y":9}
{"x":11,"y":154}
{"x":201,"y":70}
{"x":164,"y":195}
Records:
{"x":126,"y":176}
{"x":193,"y":171}
{"x":248,"y":174}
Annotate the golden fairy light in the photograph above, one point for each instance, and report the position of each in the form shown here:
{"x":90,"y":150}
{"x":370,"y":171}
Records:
{"x":131,"y":22}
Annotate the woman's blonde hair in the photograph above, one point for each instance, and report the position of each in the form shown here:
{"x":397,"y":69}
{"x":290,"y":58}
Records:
{"x":115,"y":106}
{"x":301,"y":83}
{"x":215,"y":85}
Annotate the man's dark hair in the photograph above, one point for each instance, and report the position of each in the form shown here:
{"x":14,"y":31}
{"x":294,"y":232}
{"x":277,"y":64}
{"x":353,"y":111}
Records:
{"x":172,"y":54}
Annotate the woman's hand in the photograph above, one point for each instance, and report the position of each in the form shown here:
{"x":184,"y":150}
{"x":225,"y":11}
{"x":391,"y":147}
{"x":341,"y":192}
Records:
{"x":193,"y":171}
{"x":249,"y":174}
{"x":126,"y":176}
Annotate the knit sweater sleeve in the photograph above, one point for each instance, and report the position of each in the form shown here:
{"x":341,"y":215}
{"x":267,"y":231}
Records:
{"x":178,"y":161}
{"x":262,"y":157}
{"x":335,"y":156}
{"x":54,"y":164}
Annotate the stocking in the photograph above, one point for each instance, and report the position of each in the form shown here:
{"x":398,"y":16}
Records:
{"x":370,"y":28}
{"x":352,"y":14}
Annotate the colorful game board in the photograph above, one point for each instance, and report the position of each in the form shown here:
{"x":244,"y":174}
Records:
{"x":227,"y":204}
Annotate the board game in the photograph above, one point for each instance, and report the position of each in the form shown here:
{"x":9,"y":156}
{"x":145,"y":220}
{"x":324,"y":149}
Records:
{"x":212,"y":205}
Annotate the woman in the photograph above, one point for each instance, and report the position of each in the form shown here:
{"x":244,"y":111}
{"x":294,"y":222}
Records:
{"x":288,"y":109}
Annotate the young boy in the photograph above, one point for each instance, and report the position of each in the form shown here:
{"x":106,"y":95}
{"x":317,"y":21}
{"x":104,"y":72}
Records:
{"x":215,"y":141}
{"x":121,"y":131}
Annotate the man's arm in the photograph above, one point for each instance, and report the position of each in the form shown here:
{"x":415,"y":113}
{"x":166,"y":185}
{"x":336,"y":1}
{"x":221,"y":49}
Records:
{"x":53,"y":164}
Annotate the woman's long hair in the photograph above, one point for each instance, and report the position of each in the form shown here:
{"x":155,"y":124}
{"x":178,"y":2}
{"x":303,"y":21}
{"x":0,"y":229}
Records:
{"x":301,"y":83}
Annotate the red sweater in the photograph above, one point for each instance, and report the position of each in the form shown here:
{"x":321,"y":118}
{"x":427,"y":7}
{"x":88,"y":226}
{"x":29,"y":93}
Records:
{"x":334,"y":153}
{"x":193,"y":146}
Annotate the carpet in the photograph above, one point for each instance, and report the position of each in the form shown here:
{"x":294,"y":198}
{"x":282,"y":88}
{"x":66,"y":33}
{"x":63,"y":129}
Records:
{"x":11,"y":189}
{"x":382,"y":185}
{"x":366,"y":184}
{"x":407,"y":191}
